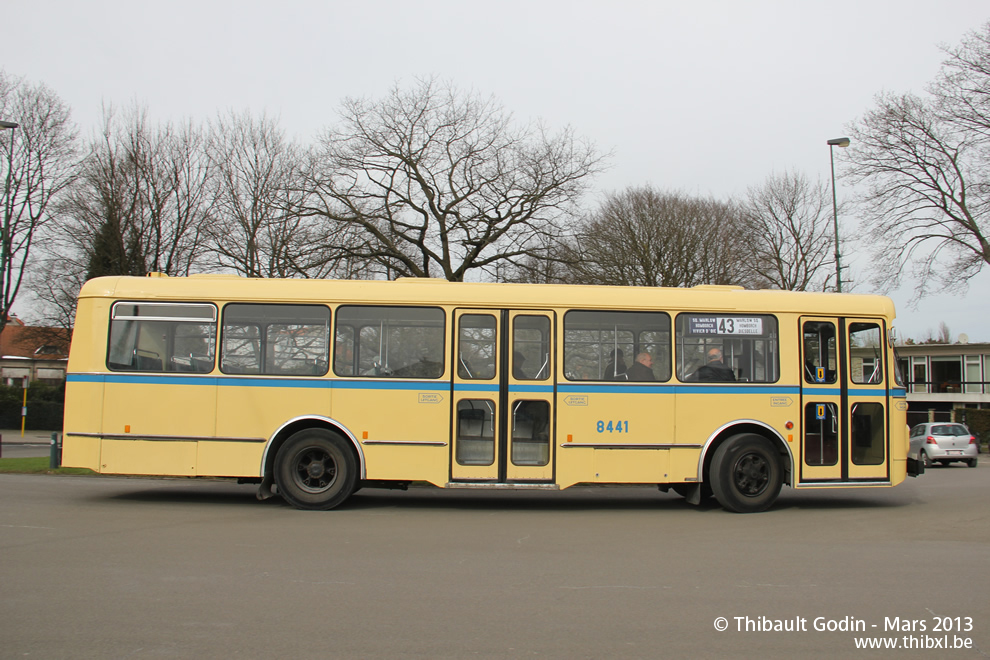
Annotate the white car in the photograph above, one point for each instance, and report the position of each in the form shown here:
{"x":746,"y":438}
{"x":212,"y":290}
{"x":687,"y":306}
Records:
{"x":943,"y":443}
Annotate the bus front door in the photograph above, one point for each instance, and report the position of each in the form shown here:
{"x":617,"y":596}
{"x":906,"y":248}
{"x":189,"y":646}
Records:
{"x":503,"y":397}
{"x":843,"y":402}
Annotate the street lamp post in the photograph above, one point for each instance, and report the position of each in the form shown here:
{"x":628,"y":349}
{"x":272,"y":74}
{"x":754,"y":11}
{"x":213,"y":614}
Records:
{"x":7,"y":211}
{"x":836,"y":142}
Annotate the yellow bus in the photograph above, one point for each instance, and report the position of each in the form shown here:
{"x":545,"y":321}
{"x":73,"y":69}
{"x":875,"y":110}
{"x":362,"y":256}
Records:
{"x":321,"y":387}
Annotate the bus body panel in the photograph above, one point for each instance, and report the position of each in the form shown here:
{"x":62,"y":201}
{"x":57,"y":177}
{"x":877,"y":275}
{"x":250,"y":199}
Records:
{"x":226,"y":424}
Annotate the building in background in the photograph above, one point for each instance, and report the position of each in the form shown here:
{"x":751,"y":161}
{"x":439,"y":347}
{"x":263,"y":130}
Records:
{"x":40,"y":354}
{"x":943,"y":380}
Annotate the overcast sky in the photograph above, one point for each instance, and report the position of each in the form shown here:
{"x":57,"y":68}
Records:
{"x":701,"y":97}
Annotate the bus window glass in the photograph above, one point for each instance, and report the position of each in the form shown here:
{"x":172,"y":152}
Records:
{"x":475,"y":432}
{"x":865,"y":353}
{"x":821,"y":434}
{"x":867,"y":434}
{"x":279,"y":340}
{"x":727,"y":348}
{"x":162,"y":337}
{"x":389,"y":342}
{"x":530,"y":433}
{"x":819,"y":352}
{"x":476,"y":352}
{"x":531,"y":348}
{"x":603,"y":345}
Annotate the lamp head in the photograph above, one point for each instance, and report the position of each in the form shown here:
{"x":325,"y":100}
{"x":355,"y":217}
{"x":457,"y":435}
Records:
{"x":8,"y":124}
{"x":839,"y":142}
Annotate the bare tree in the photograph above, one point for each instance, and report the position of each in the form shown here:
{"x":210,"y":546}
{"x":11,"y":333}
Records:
{"x":923,"y":161}
{"x":787,"y":231}
{"x":442,"y":183}
{"x":37,"y":160}
{"x":644,"y":237}
{"x":256,"y":229}
{"x":138,"y":204}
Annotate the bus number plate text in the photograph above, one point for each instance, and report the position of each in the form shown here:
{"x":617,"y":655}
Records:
{"x":618,"y":426}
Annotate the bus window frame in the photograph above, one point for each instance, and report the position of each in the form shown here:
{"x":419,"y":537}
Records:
{"x":383,"y":368}
{"x":265,"y":343}
{"x":771,"y":336}
{"x":165,"y":361}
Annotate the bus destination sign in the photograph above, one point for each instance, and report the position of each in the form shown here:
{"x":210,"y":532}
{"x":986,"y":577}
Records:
{"x":726,"y":325}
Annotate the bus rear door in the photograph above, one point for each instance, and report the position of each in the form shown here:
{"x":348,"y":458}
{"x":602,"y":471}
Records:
{"x":844,"y":401}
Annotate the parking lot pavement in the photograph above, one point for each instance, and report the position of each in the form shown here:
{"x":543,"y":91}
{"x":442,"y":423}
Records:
{"x":31,"y":444}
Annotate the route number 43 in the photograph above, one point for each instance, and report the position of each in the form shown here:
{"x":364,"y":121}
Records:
{"x":618,"y":426}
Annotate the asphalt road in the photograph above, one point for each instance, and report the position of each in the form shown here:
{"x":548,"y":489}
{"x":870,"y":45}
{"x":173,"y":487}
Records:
{"x":100,"y":567}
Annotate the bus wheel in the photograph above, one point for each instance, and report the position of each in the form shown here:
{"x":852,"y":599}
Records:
{"x":745,"y":473}
{"x":315,"y":469}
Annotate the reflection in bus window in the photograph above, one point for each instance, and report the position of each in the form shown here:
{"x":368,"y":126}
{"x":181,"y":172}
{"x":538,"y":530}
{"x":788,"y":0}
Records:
{"x":162,"y":337}
{"x":819,"y":352}
{"x":599,"y":345}
{"x":531,"y":348}
{"x":476,"y":356}
{"x":275,"y":339}
{"x":865,"y":353}
{"x":389,"y":342}
{"x":748,"y":346}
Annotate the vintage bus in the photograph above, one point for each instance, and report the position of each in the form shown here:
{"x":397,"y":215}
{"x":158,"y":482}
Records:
{"x":322,"y":387}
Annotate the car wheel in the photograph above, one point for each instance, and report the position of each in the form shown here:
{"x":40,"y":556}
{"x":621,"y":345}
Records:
{"x":927,"y":462}
{"x":972,"y":462}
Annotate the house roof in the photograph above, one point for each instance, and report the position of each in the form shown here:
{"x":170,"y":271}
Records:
{"x":23,"y":341}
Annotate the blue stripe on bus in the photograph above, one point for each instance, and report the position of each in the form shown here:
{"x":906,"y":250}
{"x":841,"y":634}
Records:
{"x":386,"y":384}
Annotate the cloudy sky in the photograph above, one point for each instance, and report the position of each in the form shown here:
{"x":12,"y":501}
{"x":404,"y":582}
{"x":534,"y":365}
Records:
{"x":702,"y":97}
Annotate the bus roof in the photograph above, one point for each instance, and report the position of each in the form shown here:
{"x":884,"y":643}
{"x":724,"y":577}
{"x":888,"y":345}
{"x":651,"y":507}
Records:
{"x":233,"y":288}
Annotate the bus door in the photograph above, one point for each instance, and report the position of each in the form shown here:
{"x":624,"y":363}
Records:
{"x":503,"y":396}
{"x":843,"y":401}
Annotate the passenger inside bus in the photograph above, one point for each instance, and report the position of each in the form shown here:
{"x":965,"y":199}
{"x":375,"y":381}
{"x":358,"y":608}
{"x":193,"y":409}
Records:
{"x":616,"y":368}
{"x":642,"y":368}
{"x":715,"y":370}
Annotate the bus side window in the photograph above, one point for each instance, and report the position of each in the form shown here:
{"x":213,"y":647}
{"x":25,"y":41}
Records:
{"x":599,"y":345}
{"x":157,"y":337}
{"x":279,"y":340}
{"x":727,"y":349}
{"x":377,"y":341}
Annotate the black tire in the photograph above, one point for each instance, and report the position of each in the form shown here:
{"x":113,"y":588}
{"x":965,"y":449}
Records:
{"x":972,"y":462}
{"x":746,"y":474}
{"x":927,"y":462}
{"x":316,"y":470}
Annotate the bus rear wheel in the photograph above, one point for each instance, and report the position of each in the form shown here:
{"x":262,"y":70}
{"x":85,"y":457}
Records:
{"x":315,"y":469}
{"x":746,"y":474}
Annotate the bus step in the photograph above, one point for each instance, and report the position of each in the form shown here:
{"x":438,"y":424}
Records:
{"x":493,"y":485}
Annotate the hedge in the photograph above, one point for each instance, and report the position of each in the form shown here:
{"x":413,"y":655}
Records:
{"x":45,"y":407}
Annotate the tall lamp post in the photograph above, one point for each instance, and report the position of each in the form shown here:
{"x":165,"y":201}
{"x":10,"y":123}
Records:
{"x":836,"y":142}
{"x":7,"y":211}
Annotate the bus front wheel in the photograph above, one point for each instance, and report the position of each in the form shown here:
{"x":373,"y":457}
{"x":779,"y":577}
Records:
{"x":745,"y":474}
{"x":315,"y":469}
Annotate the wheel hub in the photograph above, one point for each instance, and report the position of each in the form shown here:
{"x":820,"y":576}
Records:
{"x":316,"y":469}
{"x":752,"y":474}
